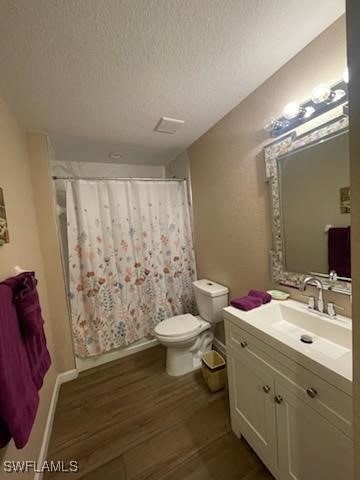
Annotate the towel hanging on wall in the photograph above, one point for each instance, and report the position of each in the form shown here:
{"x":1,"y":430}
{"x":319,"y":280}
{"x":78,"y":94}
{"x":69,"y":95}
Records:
{"x":24,"y":358}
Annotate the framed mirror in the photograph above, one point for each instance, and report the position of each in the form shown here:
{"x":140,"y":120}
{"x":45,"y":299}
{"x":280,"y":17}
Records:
{"x":310,"y":194}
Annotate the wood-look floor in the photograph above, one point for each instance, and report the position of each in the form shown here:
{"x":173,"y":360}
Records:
{"x":129,"y":420}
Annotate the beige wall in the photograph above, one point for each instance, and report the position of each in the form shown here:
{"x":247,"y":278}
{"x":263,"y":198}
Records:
{"x":50,"y":248}
{"x":353,"y":31}
{"x":24,"y":249}
{"x":230,"y":198}
{"x":179,"y":167}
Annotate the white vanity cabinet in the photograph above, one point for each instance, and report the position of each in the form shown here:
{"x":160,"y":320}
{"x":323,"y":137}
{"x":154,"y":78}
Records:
{"x":298,"y":424}
{"x":251,"y":387}
{"x":309,"y":446}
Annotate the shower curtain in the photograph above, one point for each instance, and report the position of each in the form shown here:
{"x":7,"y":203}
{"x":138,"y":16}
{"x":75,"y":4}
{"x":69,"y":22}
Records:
{"x":131,"y":259}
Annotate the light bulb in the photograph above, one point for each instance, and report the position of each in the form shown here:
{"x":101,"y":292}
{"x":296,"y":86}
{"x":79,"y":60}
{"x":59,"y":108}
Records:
{"x":272,"y":124}
{"x":291,"y":110}
{"x":269,"y":124}
{"x":321,"y":93}
{"x":346,"y":75}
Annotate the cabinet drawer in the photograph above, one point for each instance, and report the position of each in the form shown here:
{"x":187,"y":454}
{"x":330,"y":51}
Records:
{"x":326,"y":399}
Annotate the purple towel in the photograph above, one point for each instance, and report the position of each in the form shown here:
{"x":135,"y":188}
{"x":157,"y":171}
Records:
{"x":27,"y":302}
{"x":18,"y":394}
{"x":339,"y":251}
{"x":246,"y":303}
{"x":264,"y":296}
{"x":24,"y":357}
{"x":31,"y":323}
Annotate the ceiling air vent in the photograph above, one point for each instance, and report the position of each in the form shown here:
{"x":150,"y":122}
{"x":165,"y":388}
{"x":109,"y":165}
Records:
{"x":168,"y":125}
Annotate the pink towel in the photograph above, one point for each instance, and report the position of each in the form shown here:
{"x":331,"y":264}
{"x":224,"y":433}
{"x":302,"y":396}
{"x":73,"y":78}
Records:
{"x":246,"y":303}
{"x":264,"y":296}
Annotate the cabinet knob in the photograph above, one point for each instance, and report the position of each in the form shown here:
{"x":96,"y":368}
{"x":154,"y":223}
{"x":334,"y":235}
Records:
{"x":312,"y":392}
{"x":243,"y":344}
{"x":266,"y":388}
{"x":279,"y":399}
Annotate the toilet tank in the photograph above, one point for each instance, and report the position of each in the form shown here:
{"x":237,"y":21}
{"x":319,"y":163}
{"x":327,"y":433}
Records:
{"x":210,"y":298}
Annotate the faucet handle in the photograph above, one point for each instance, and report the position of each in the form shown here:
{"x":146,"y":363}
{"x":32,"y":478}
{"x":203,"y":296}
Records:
{"x":310,"y":300}
{"x":331,"y":309}
{"x":333,"y":276}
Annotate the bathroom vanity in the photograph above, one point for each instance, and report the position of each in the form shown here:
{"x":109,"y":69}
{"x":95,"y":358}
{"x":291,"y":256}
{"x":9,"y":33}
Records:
{"x":292,"y":401}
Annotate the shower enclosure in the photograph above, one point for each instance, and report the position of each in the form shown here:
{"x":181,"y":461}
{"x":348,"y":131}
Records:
{"x":128,"y":255}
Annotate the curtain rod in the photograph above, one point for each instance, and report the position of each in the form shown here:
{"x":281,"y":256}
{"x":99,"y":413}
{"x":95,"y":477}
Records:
{"x":55,"y":177}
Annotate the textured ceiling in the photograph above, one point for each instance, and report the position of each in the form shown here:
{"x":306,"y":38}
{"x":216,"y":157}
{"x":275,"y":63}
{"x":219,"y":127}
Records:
{"x":104,"y":71}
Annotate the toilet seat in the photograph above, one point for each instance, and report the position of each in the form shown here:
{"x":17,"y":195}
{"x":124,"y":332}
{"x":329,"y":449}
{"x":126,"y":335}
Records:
{"x":178,"y":326}
{"x":187,"y":337}
{"x":180,"y":331}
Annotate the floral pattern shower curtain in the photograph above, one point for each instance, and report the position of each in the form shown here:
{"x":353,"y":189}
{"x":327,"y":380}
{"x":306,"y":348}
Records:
{"x":131,"y":259}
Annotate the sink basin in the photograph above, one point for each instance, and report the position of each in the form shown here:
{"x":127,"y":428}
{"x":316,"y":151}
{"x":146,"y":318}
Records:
{"x":291,"y":320}
{"x":281,"y":324}
{"x":319,"y":343}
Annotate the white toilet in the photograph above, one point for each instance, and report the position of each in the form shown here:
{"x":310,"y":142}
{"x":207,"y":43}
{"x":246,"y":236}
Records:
{"x":187,"y":337}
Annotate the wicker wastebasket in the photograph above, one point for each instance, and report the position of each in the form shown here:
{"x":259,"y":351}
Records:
{"x":213,"y":370}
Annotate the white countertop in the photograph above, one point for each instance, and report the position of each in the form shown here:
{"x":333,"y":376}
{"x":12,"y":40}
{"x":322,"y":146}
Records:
{"x":337,"y":371}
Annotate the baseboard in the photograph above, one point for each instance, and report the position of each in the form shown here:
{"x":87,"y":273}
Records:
{"x":60,"y":379}
{"x":220,"y":346}
{"x":83,"y":364}
{"x":68,"y":376}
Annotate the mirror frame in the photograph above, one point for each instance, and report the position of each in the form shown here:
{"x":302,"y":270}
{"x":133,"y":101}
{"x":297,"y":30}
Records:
{"x":272,"y":152}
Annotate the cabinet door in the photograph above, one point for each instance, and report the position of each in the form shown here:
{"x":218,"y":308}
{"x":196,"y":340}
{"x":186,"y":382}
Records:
{"x":310,"y":448}
{"x":251,"y":388}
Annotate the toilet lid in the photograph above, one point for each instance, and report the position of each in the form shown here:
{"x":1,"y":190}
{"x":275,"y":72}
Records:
{"x":178,"y":325}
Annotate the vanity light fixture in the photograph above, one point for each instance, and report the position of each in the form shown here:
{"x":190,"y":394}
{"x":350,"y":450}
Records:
{"x":323,"y":93}
{"x":323,"y":98}
{"x":272,"y":125}
{"x":295,"y":110}
{"x":292,"y":110}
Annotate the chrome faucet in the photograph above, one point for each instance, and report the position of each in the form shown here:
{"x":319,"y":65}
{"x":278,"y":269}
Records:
{"x":319,"y":285}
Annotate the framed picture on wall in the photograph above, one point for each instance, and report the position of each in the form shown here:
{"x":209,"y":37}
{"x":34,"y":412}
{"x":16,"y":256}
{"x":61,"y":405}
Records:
{"x":345,"y":200}
{"x":4,"y":232}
